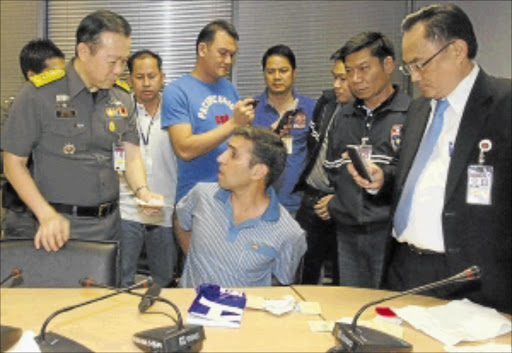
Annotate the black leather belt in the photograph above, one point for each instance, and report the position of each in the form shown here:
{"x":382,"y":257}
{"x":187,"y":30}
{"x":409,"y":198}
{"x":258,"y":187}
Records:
{"x":419,"y":251}
{"x":100,"y":211}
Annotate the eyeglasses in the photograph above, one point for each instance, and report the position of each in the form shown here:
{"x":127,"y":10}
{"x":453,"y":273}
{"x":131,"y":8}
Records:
{"x":407,"y":70}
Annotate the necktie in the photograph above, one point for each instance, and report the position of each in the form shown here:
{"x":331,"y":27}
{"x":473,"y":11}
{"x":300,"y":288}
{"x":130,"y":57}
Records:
{"x":427,"y":146}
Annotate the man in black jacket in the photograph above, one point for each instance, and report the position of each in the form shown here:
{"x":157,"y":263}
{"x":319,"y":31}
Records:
{"x":312,"y":214}
{"x":373,"y":122}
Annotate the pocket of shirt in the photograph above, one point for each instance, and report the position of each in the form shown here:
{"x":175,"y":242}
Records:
{"x":64,"y":138}
{"x":255,"y":263}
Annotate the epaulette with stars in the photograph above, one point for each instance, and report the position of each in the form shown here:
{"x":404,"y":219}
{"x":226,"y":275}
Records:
{"x":46,"y":77}
{"x":123,"y":85}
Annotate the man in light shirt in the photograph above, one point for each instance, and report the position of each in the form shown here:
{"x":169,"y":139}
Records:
{"x":237,"y":233}
{"x":155,"y":231}
{"x":452,"y":183}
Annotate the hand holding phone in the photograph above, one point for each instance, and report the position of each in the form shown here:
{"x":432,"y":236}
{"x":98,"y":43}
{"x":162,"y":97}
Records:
{"x":359,"y":162}
{"x":254,"y":103}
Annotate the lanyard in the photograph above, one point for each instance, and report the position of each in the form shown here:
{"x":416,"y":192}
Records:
{"x":145,"y":139}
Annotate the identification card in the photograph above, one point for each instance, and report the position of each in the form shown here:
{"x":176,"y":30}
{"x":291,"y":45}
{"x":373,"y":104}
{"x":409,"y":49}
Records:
{"x":365,"y":151}
{"x":288,"y":143}
{"x":479,"y":187}
{"x":119,"y":155}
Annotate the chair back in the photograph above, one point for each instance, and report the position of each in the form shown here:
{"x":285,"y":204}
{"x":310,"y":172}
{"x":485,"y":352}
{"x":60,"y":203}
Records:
{"x":99,"y":260}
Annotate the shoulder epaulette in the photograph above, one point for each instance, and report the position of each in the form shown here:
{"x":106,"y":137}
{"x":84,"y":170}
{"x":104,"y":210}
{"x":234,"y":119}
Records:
{"x":46,"y":77}
{"x":123,"y":85}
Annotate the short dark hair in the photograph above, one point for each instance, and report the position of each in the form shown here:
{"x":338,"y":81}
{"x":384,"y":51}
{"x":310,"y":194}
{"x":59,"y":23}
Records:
{"x":268,"y":148}
{"x":380,"y":45}
{"x":444,"y":22}
{"x":207,"y":33}
{"x":34,"y":54}
{"x":281,"y":50}
{"x":142,"y":54}
{"x":94,"y":24}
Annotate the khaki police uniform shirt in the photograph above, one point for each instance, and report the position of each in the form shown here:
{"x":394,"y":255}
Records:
{"x":68,"y":132}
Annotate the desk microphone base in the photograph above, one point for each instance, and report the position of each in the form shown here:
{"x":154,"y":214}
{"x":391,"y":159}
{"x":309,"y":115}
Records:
{"x":171,"y":339}
{"x":364,"y":339}
{"x":9,"y":336}
{"x":56,"y":343}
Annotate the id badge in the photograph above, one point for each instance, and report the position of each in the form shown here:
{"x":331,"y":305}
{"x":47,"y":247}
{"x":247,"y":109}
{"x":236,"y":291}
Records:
{"x":288,"y":143}
{"x":479,"y":187}
{"x":119,"y":155}
{"x":366,"y":151}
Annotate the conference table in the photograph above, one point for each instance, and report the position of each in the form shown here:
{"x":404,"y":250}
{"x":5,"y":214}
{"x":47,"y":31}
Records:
{"x":108,"y":325}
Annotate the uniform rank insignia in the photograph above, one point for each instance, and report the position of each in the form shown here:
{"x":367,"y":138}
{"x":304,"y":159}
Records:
{"x":69,"y":148}
{"x":63,"y":108}
{"x":123,"y":85}
{"x":46,"y":77}
{"x":396,"y":136}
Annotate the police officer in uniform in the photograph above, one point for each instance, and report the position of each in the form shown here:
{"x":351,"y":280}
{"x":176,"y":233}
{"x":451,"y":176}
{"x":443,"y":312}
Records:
{"x":79,"y":124}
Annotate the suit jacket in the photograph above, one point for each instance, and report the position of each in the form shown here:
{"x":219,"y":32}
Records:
{"x":473,"y":234}
{"x":322,"y":116}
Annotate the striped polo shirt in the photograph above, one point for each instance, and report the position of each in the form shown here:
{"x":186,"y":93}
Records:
{"x":242,"y":255}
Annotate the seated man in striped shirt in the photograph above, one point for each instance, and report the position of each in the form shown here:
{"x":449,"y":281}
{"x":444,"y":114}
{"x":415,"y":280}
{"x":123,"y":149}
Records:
{"x":234,"y":232}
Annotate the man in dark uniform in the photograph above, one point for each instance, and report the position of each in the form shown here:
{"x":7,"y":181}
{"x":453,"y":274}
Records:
{"x":80,"y":127}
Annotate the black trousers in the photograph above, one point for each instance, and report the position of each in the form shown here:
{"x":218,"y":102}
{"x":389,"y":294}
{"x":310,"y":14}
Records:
{"x":320,"y":237}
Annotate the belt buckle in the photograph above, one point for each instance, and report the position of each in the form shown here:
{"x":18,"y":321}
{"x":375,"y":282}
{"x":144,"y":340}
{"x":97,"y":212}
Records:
{"x":103,"y":209}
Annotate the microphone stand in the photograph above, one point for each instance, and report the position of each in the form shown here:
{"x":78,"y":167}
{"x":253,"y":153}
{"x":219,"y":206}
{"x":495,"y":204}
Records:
{"x":53,"y":342}
{"x":182,"y":338}
{"x":364,"y":339}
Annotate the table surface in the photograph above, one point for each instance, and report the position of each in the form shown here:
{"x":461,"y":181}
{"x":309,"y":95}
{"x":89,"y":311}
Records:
{"x":108,"y":325}
{"x":338,"y":302}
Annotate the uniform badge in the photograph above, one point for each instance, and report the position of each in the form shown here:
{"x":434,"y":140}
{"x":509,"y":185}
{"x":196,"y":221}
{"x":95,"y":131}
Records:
{"x":395,"y":136}
{"x":116,"y":109}
{"x":69,"y":148}
{"x":300,"y":121}
{"x":63,"y":108}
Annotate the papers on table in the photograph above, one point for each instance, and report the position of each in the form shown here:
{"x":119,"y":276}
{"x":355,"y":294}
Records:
{"x":26,"y":344}
{"x":459,"y":320}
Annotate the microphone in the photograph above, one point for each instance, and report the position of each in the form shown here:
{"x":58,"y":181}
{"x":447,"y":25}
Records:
{"x":52,"y":342}
{"x":15,"y":273}
{"x":182,"y":338}
{"x":148,"y":299}
{"x":9,"y":335}
{"x":363,"y":339}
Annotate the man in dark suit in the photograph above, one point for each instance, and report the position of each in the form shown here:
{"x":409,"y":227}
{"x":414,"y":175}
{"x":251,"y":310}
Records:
{"x":451,"y":186}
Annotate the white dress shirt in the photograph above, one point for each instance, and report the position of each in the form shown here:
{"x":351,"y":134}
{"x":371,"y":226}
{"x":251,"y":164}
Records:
{"x":424,"y":229}
{"x":160,"y":162}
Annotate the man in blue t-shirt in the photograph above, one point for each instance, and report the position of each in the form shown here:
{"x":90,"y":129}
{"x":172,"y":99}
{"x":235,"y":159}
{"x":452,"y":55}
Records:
{"x":278,"y":103}
{"x":200,"y":110}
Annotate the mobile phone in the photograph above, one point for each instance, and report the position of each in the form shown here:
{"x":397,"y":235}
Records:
{"x":254,"y":103}
{"x":359,"y":162}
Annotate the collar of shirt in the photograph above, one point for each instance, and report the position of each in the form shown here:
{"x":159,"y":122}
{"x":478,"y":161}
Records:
{"x":267,"y":105}
{"x":400,"y":104}
{"x":272,"y":212}
{"x":141,"y":109}
{"x":459,"y":96}
{"x":76,"y":85}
